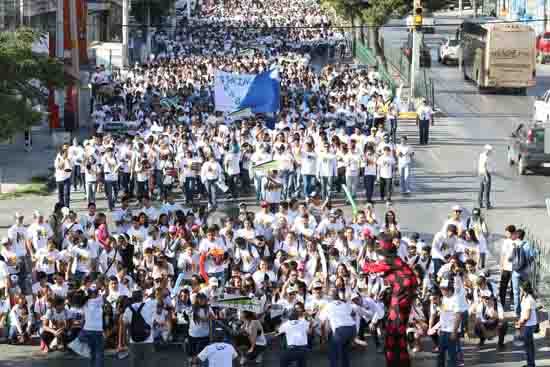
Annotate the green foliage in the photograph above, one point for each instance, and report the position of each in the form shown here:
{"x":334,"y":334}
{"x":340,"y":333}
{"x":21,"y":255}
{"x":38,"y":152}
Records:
{"x":22,"y":74}
{"x":381,"y":11}
{"x":159,"y":8}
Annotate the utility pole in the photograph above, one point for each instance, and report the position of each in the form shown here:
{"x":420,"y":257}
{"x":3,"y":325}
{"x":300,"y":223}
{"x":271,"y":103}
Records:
{"x":148,"y":39}
{"x":75,"y":55}
{"x":460,"y":5}
{"x":416,"y":42}
{"x":125,"y":11}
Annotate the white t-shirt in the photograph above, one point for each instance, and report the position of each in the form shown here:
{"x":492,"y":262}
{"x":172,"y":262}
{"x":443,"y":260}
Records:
{"x":506,"y":254}
{"x":338,"y":314}
{"x":93,"y":314}
{"x":385,"y":166}
{"x":528,"y":302}
{"x":296,"y":332}
{"x":146,"y":312}
{"x":218,"y":355}
{"x":449,"y":309}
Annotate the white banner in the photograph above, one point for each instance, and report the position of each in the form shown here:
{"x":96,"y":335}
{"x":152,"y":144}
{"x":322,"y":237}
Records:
{"x":230,"y":90}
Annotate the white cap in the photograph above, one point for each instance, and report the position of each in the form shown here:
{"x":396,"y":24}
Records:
{"x":37,"y":213}
{"x":291,"y":289}
{"x":445,"y":283}
{"x":213,"y":281}
{"x":4,"y":240}
{"x":456,"y":207}
{"x":486,"y":294}
{"x":18,"y":215}
{"x":488,"y":147}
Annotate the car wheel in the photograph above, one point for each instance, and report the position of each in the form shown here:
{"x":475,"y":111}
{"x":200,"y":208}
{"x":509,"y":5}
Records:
{"x":509,"y":157}
{"x":521,"y":167}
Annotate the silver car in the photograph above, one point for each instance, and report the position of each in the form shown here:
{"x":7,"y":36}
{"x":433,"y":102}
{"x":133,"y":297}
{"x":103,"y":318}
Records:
{"x":448,"y":51}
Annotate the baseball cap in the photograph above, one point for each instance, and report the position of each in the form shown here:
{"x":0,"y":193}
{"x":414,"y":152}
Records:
{"x":314,"y":194}
{"x":488,"y":147}
{"x":19,"y":215}
{"x":213,"y":282}
{"x":291,"y":289}
{"x":445,"y":284}
{"x":456,"y":208}
{"x":317,"y":284}
{"x":486,"y":294}
{"x":4,"y":240}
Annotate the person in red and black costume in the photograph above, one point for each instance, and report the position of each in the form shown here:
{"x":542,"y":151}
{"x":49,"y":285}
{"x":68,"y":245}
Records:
{"x":400,"y":279}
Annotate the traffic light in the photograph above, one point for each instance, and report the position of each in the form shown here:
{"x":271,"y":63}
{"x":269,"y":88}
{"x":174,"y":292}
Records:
{"x":417,"y":14}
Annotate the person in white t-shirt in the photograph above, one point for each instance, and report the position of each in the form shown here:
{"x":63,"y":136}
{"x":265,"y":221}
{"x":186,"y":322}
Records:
{"x":449,"y":324}
{"x":386,"y":164}
{"x":141,"y":353}
{"x":405,"y":156}
{"x":219,"y":353}
{"x":92,"y":331}
{"x":339,"y":315}
{"x":528,"y":321}
{"x":296,"y":332}
{"x":63,"y":171}
{"x":505,"y":266}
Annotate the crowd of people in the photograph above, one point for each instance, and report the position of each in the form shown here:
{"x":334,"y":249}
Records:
{"x":156,"y":267}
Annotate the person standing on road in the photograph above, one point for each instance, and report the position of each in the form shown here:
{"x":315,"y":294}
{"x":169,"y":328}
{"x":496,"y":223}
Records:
{"x":528,"y":321}
{"x":92,"y":332}
{"x":405,"y":155}
{"x":141,"y":335}
{"x":450,"y":320}
{"x":296,"y":331}
{"x":219,"y":353}
{"x":485,"y":171}
{"x":424,"y":119}
{"x":506,"y":257}
{"x":63,"y":173}
{"x":339,"y":315}
{"x":386,"y":164}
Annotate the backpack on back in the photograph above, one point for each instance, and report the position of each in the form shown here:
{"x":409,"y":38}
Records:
{"x":139,"y":328}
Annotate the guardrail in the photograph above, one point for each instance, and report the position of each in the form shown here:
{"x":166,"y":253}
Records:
{"x":367,"y":57}
{"x":401,"y":65}
{"x":539,"y":274}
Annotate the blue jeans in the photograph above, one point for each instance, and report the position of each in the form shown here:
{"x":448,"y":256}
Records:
{"x":326,"y":186}
{"x":95,"y":341}
{"x":369,"y":186}
{"x":64,"y":192}
{"x":309,"y":184}
{"x":447,"y":348}
{"x":340,"y":341}
{"x":211,"y":189}
{"x":294,"y":354}
{"x":404,"y":178}
{"x":352,"y":182}
{"x":516,"y":278}
{"x":259,"y":185}
{"x":189,"y":188}
{"x":111,"y":192}
{"x":529,"y":344}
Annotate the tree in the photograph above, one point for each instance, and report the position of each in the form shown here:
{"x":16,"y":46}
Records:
{"x":23,"y":80}
{"x":377,"y":15}
{"x":157,"y":8}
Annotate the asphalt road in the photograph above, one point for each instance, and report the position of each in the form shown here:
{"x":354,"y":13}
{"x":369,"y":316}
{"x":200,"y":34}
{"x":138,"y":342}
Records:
{"x":444,"y":175}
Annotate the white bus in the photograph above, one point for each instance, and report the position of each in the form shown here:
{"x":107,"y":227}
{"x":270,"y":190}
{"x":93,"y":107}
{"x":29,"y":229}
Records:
{"x":499,"y":55}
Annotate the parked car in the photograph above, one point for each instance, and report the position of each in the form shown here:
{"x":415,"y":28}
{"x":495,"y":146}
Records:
{"x":541,"y":107}
{"x":425,"y":54}
{"x":448,"y":51}
{"x":543,"y":47}
{"x":527,"y":148}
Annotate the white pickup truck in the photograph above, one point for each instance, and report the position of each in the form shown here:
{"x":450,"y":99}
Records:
{"x":542,"y":107}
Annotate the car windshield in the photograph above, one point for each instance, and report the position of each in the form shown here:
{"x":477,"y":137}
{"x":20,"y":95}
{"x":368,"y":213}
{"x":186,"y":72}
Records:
{"x":453,"y":43}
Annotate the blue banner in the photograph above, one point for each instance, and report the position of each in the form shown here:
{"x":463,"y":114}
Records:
{"x":261,"y":93}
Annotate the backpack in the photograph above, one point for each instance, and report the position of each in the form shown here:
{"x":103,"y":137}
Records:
{"x":520,"y":259}
{"x":139,"y":328}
